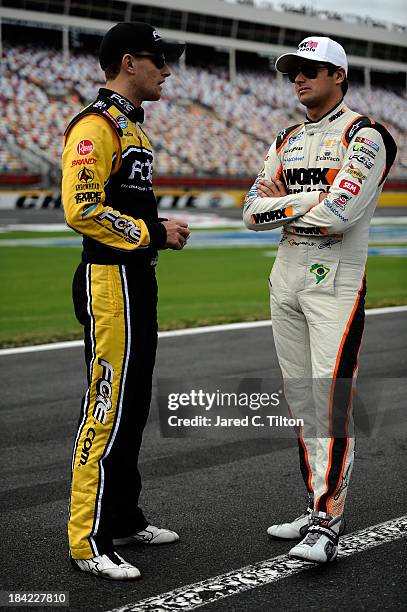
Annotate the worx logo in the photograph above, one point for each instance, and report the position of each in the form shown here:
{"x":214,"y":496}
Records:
{"x":307,"y":176}
{"x":269,"y":215}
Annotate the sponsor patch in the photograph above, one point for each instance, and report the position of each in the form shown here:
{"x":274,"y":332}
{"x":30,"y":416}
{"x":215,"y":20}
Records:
{"x":85,"y":147}
{"x":355,"y":128}
{"x":368,"y":142}
{"x":85,"y":175}
{"x":308,"y":231}
{"x":336,"y":115}
{"x":294,"y":139}
{"x":327,"y":244}
{"x":329,"y":143}
{"x":112,"y":119}
{"x":142,"y":171}
{"x":292,"y":150}
{"x":123,"y":102}
{"x":342,"y":200}
{"x":309,"y":45}
{"x":121,"y":224}
{"x":328,"y":204}
{"x":307,"y":176}
{"x":362,"y":160}
{"x":320,"y":272}
{"x":356,"y":173}
{"x":103,"y":402}
{"x":293,"y":242}
{"x":349,"y":186}
{"x":122,"y":121}
{"x":359,"y":147}
{"x":88,"y":186}
{"x":293,"y":159}
{"x":87,"y":445}
{"x":88,"y":161}
{"x":89,"y":197}
{"x":100,"y":104}
{"x":268,"y":216}
{"x":327,"y":157}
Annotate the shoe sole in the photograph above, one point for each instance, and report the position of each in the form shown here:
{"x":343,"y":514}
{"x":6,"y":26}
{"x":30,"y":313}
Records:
{"x":94,"y":575}
{"x":299,"y":558}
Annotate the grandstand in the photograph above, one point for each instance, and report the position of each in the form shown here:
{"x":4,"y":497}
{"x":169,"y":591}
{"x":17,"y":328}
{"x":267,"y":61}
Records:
{"x":223,"y":104}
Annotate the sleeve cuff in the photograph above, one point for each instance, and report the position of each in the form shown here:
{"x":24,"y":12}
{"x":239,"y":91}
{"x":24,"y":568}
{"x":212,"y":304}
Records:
{"x":158,"y":234}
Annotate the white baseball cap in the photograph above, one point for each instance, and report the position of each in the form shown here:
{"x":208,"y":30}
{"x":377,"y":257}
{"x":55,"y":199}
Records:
{"x":317,"y":49}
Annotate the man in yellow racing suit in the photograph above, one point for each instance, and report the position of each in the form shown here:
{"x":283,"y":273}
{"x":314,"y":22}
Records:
{"x":108,"y":197}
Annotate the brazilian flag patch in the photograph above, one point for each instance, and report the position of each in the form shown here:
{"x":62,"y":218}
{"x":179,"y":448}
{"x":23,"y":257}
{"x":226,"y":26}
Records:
{"x":320,"y":271}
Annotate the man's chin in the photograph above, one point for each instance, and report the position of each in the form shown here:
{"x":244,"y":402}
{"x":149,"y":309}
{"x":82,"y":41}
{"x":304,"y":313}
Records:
{"x":153,"y":97}
{"x":306,"y":98}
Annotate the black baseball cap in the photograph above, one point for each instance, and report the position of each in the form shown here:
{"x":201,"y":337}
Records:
{"x":135,"y":36}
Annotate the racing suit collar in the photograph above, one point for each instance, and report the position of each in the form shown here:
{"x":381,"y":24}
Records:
{"x":329,"y":117}
{"x":134,"y":113}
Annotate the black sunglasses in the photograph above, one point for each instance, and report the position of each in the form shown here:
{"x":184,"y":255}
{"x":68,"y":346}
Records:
{"x":310,"y":71}
{"x":158,"y":60}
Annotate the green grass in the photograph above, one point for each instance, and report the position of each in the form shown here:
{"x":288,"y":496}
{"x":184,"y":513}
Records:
{"x":22,"y":234}
{"x":197,"y":287}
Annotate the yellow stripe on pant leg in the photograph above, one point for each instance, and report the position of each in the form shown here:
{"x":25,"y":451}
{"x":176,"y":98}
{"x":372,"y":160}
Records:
{"x":107,"y":307}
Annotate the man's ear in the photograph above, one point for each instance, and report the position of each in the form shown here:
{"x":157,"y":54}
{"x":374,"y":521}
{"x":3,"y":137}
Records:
{"x":340,"y":75}
{"x":128,"y":63}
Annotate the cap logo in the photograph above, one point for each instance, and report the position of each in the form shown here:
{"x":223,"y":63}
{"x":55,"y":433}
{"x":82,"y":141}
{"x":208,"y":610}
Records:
{"x":309,"y":45}
{"x":156,"y":35}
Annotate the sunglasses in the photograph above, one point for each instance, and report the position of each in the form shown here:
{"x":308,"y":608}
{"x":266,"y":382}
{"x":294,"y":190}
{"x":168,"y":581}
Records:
{"x":310,"y":71}
{"x":158,"y":60}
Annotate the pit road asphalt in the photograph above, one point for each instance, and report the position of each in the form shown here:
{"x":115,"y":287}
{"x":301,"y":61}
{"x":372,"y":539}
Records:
{"x":219,"y":494}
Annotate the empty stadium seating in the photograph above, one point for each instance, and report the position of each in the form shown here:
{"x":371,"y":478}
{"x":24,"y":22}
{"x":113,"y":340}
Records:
{"x":204,"y":125}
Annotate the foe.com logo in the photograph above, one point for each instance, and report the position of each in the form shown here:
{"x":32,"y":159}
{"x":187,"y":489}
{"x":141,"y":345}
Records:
{"x":103,"y":401}
{"x":87,"y":445}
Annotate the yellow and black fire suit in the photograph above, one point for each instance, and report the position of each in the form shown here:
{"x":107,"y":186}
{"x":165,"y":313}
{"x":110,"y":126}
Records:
{"x":108,"y":197}
{"x":318,"y":279}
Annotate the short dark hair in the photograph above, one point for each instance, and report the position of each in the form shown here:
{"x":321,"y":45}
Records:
{"x":344,"y":85}
{"x":113,"y":70}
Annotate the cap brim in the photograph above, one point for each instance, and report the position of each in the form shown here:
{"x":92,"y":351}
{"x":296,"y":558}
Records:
{"x":287,"y":61}
{"x":171,"y":50}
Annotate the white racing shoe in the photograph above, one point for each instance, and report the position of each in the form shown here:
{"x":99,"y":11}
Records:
{"x":291,"y":531}
{"x":110,"y":566}
{"x":149,"y":535}
{"x":321,"y":542}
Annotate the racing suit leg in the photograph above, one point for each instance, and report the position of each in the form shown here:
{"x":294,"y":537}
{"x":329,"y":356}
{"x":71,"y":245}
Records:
{"x":336,"y":323}
{"x":291,"y":339}
{"x":318,"y":326}
{"x":117,"y":306}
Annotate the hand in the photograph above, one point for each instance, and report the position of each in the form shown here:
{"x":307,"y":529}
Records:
{"x":177,"y":234}
{"x":271,"y":188}
{"x":323,"y":195}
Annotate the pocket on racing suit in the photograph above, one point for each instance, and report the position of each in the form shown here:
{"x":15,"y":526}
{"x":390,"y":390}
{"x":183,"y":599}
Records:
{"x":322,"y":268}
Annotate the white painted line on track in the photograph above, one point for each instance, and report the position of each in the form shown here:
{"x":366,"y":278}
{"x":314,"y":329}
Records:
{"x":191,"y":331}
{"x":250,"y":577}
{"x":37,"y":348}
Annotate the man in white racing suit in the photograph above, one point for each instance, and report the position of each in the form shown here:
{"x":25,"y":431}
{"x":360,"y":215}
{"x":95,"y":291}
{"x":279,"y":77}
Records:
{"x":321,"y":181}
